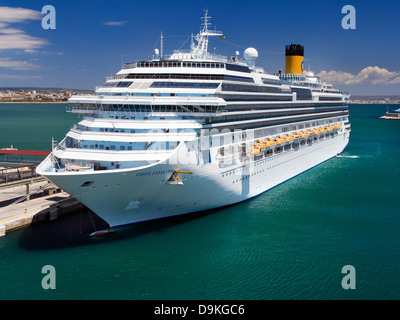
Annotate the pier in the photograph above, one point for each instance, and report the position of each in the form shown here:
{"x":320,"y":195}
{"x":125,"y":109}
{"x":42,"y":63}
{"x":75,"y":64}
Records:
{"x":12,"y":157}
{"x":45,"y":202}
{"x":18,"y":175}
{"x":18,"y":168}
{"x":25,"y":196}
{"x":391,"y":115}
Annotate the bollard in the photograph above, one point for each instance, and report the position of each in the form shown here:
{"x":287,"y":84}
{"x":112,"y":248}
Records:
{"x":53,"y":212}
{"x":28,"y":197}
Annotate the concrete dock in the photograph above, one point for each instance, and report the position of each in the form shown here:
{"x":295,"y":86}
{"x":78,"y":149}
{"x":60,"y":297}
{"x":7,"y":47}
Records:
{"x":391,"y":115}
{"x":45,"y":203}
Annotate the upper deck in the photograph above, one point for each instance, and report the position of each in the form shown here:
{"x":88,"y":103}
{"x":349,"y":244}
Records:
{"x":199,"y":84}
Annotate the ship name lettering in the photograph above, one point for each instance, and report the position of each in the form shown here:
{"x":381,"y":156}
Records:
{"x":140,"y":174}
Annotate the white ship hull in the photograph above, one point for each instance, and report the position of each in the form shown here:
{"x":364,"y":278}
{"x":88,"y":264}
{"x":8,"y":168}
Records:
{"x":195,"y":131}
{"x":122,"y":197}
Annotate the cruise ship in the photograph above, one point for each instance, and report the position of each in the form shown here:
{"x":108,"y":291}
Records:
{"x":194,"y":131}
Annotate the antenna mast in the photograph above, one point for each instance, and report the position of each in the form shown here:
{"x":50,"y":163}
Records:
{"x":162,"y":45}
{"x":202,"y":38}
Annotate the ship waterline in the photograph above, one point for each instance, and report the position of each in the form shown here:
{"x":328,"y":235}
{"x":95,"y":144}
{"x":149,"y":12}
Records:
{"x":195,"y":131}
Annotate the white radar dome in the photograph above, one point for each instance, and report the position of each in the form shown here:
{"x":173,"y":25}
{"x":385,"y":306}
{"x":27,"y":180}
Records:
{"x":250,"y":55}
{"x":156,"y":52}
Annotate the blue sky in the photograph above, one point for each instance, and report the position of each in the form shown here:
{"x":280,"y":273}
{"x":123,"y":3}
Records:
{"x":93,"y":38}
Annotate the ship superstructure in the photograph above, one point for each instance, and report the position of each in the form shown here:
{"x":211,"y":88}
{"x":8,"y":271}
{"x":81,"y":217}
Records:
{"x":194,"y":131}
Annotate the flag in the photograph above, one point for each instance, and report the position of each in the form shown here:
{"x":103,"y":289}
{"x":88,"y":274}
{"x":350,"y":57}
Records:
{"x":223,"y":37}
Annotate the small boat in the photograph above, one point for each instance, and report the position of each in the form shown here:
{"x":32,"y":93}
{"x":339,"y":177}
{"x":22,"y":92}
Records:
{"x":288,"y":137}
{"x":256,"y":150}
{"x":296,"y":135}
{"x":269,"y":143}
{"x":303,"y":134}
{"x":279,"y":140}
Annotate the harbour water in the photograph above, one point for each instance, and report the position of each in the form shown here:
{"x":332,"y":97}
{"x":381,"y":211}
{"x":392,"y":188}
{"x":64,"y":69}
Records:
{"x":288,"y":243}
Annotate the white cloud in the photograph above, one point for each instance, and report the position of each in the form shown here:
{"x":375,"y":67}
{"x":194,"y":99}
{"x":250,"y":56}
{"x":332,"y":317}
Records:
{"x":115,"y":23}
{"x":395,"y":81}
{"x":17,"y":65}
{"x":37,"y":52}
{"x":10,"y":30}
{"x":18,"y":77}
{"x":20,"y":41}
{"x":11,"y":15}
{"x":13,"y":38}
{"x":336,"y":77}
{"x":371,"y":75}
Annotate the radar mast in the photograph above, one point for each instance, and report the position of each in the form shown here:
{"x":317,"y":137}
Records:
{"x":202,"y":38}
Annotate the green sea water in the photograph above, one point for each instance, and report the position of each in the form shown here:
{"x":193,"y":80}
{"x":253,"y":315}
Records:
{"x":288,"y":243}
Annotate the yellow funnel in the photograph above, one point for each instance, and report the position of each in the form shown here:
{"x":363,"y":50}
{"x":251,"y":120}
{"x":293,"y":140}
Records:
{"x":294,"y":59}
